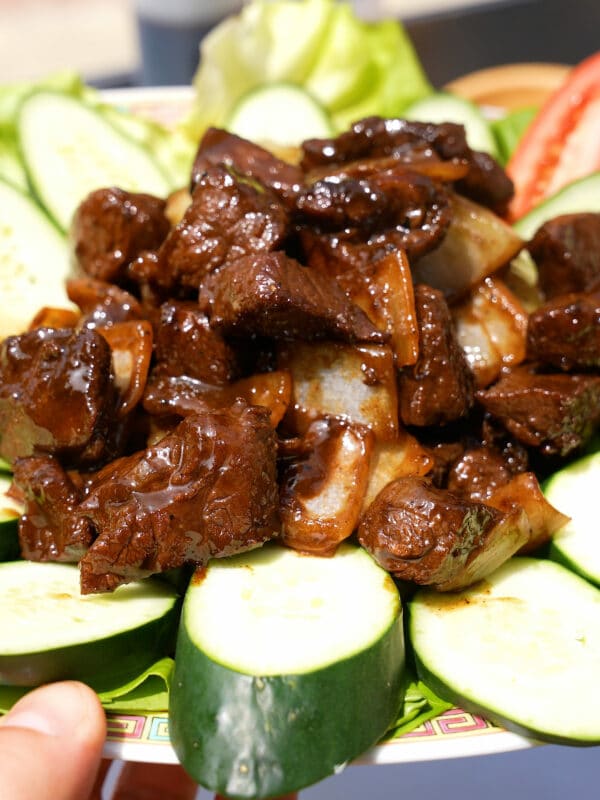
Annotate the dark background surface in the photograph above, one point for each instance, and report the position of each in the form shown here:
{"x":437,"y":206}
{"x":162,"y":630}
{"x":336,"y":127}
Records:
{"x":450,"y":45}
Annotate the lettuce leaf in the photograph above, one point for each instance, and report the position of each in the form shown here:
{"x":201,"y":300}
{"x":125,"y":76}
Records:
{"x":351,"y":67}
{"x":420,"y":705}
{"x":509,"y":130}
{"x":146,"y":693}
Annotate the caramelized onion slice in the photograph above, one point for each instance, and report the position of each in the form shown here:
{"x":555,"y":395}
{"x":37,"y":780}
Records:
{"x":357,"y":383}
{"x":131,"y":348}
{"x":544,"y":520}
{"x":476,"y":244}
{"x":491,"y":326}
{"x":321,"y":492}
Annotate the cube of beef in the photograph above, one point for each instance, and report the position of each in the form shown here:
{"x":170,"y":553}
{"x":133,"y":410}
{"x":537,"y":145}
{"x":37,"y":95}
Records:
{"x":186,"y":345}
{"x":349,"y":223}
{"x":486,"y":182}
{"x":565,"y":332}
{"x":566,"y":251}
{"x":219,"y":147}
{"x":556,"y":413}
{"x":228,"y":218}
{"x":372,"y":137}
{"x":439,"y":387}
{"x":478,"y":472}
{"x":206,"y":489}
{"x":57,"y":396}
{"x":50,"y":528}
{"x":432,"y":537}
{"x":272,"y":295}
{"x":111,"y":227}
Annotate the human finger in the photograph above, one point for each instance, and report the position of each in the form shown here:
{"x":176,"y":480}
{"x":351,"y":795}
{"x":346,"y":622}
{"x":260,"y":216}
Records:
{"x":51,"y":741}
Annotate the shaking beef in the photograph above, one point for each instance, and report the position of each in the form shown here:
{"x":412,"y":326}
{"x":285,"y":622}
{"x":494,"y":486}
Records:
{"x":272,"y":295}
{"x":57,"y":396}
{"x":111,"y":227}
{"x":207,"y":489}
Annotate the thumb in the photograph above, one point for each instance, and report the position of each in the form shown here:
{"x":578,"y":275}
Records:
{"x":51,"y":743}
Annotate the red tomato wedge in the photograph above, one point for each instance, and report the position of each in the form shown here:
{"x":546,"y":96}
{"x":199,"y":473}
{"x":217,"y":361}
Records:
{"x":563,"y":142}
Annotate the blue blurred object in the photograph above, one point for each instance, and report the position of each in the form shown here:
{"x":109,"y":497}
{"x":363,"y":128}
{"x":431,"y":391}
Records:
{"x":170,"y":33}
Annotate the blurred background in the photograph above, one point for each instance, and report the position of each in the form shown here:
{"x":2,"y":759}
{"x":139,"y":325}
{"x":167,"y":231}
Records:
{"x":116,"y":43}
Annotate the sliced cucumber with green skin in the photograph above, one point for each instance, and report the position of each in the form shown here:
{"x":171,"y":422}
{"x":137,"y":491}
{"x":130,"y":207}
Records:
{"x":573,"y":490}
{"x":521,"y":647}
{"x":50,"y":632}
{"x":69,"y":149}
{"x":287,"y":667}
{"x":579,"y":196}
{"x":10,"y":511}
{"x":445,"y":107}
{"x":34,"y":261}
{"x":279,"y":113}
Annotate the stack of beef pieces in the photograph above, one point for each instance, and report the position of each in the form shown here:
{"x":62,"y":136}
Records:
{"x":155,"y":428}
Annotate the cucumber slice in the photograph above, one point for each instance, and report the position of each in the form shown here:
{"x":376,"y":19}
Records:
{"x":69,"y":149}
{"x":50,"y":632}
{"x":581,"y":195}
{"x":287,"y":666}
{"x":522,"y":647}
{"x":445,"y":107}
{"x":34,"y":261}
{"x":11,"y":166}
{"x":10,"y":511}
{"x":572,"y":490}
{"x":280,"y":113}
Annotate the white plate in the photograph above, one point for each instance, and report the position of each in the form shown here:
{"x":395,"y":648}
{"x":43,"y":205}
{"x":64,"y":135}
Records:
{"x":454,"y":734}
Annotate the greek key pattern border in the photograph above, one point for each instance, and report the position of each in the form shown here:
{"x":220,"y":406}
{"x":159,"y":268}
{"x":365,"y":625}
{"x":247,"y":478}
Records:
{"x":154,"y":728}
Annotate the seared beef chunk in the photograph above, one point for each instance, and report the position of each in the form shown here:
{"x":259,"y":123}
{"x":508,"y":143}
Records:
{"x":430,"y":536}
{"x":272,"y":295}
{"x":56,"y":395}
{"x":566,"y":251}
{"x":207,"y":489}
{"x":102,"y":304}
{"x":229,"y":217}
{"x":186,"y":345}
{"x":393,"y":209}
{"x":486,"y":181}
{"x":443,"y":455}
{"x":354,"y":222}
{"x":374,"y":137}
{"x":478,"y":473}
{"x":50,"y":529}
{"x":111,"y":227}
{"x":439,"y":387}
{"x":249,"y":159}
{"x":555,"y":413}
{"x":565,"y":332}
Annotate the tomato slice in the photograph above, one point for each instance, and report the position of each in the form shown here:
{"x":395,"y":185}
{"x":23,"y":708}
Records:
{"x":563,"y":142}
